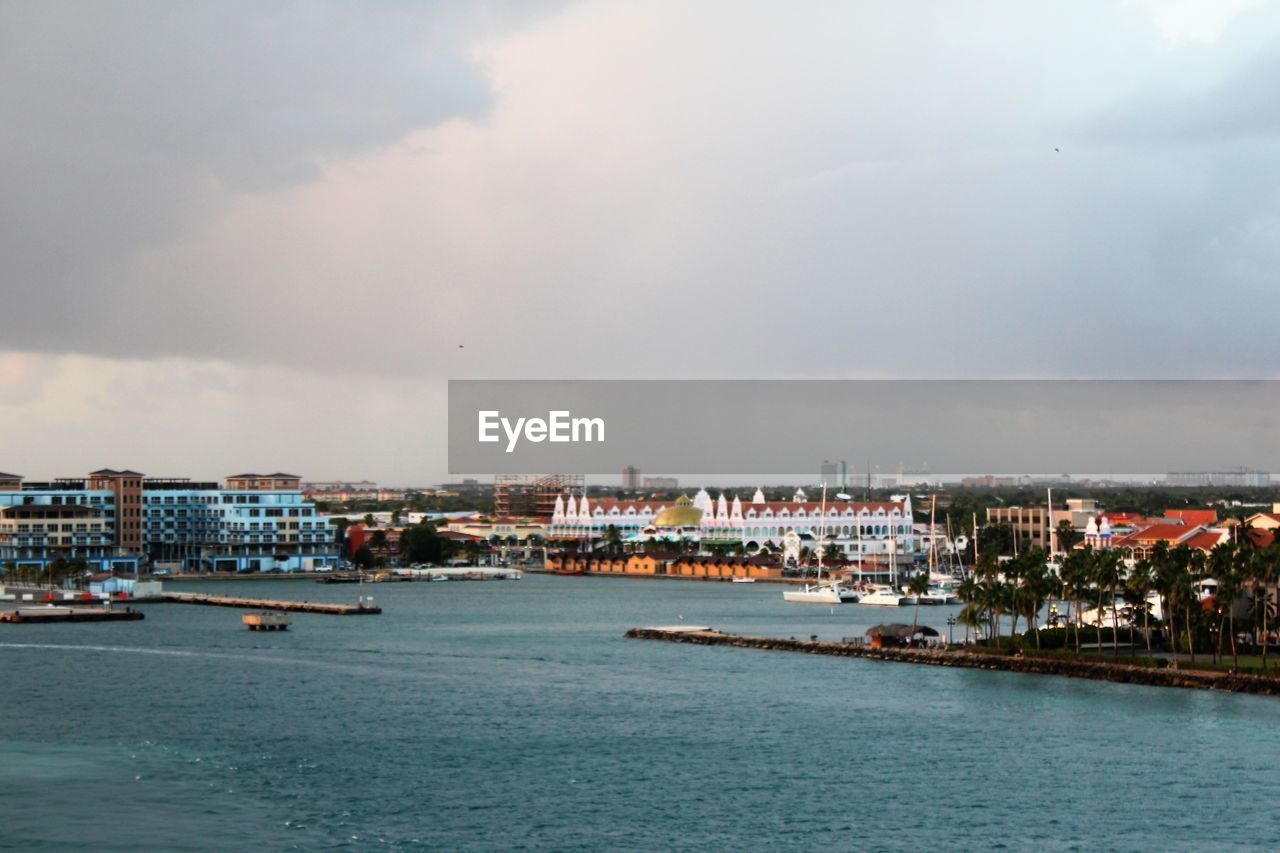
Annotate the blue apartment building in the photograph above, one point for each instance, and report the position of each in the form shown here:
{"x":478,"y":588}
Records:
{"x":123,"y":522}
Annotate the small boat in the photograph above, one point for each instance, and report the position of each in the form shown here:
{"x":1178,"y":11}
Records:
{"x":267,"y":620}
{"x":566,"y":571}
{"x":437,"y":578}
{"x":885,"y":597}
{"x":744,"y":580}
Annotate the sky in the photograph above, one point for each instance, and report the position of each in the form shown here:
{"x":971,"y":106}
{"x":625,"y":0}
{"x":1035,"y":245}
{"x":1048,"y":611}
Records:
{"x":240,"y":236}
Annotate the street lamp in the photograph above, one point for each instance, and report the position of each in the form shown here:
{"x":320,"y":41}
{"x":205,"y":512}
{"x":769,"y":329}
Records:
{"x":951,"y":624}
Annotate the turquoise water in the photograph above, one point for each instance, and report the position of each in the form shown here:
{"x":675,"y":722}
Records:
{"x":513,"y":714}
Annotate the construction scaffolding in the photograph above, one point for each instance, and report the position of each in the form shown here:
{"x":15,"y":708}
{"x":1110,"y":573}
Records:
{"x":532,"y":495}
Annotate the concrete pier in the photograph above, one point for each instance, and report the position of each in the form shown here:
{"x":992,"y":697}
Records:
{"x":1117,"y":672}
{"x":270,"y":604}
{"x":38,"y":615}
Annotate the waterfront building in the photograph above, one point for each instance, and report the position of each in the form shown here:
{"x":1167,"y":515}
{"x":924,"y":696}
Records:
{"x":118,"y":520}
{"x":62,"y":519}
{"x":859,"y":530}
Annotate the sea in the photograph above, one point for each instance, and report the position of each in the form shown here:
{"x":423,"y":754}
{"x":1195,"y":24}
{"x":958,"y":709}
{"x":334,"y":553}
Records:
{"x":515,"y":715}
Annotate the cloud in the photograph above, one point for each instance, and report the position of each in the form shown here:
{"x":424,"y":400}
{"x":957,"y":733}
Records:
{"x":132,"y":127}
{"x":402,"y":193}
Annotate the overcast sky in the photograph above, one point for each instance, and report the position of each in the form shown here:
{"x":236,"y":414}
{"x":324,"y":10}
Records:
{"x":262,"y":235}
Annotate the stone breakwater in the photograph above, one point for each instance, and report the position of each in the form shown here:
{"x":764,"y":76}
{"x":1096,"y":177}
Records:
{"x":1116,"y":672}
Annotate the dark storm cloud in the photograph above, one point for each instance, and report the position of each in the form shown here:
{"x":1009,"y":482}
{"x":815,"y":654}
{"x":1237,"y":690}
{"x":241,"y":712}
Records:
{"x":125,"y":124}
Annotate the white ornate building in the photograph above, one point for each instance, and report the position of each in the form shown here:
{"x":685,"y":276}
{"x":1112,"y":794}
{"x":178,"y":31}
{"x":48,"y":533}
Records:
{"x":867,"y":529}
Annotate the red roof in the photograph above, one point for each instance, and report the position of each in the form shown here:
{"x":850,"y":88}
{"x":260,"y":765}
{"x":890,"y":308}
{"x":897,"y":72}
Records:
{"x":1261,"y":538}
{"x":1193,"y":516}
{"x":1155,"y":533}
{"x":1205,"y":540}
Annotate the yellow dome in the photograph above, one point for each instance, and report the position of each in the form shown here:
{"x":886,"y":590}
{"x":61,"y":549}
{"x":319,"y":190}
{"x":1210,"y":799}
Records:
{"x":683,"y":514}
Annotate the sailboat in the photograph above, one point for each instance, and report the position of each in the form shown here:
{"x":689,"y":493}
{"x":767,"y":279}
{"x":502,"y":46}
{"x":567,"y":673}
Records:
{"x":831,"y":592}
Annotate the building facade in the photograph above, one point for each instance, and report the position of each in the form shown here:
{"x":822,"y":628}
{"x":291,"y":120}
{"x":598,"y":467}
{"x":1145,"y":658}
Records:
{"x":121,"y":521}
{"x":858,"y":530}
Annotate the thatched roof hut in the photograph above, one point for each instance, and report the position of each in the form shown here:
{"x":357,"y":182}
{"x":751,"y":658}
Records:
{"x":898,"y":634}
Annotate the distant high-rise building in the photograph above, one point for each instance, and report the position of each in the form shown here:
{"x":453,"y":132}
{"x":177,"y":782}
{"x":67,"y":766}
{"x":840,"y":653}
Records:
{"x":1242,"y":477}
{"x":631,"y":477}
{"x":828,"y":472}
{"x":661,"y":483}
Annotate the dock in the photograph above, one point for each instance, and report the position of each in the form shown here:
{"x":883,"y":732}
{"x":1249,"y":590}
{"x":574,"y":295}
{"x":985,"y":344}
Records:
{"x":52,"y":613}
{"x":284,"y":605}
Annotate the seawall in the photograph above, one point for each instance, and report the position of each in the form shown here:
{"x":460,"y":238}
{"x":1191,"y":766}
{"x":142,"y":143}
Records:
{"x":1116,"y":672}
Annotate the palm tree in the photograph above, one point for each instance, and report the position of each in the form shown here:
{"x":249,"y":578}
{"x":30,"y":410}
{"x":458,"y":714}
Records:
{"x":1075,"y":582}
{"x":613,"y":539}
{"x":1191,"y":565}
{"x":1263,"y":575}
{"x":969,"y":592}
{"x":1037,"y":585}
{"x":1165,"y":576}
{"x":1107,"y":575}
{"x":917,"y":586}
{"x":1222,"y":565}
{"x":1138,"y":586}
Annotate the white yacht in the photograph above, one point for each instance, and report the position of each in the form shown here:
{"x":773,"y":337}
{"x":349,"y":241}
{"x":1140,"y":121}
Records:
{"x":831,"y":592}
{"x":819,"y":593}
{"x":937,"y":595}
{"x":884,"y":596}
{"x":744,"y":580}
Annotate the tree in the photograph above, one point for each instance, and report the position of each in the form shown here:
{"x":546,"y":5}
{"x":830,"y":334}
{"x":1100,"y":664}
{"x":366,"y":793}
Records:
{"x":917,"y":586}
{"x":1138,"y":587}
{"x":613,"y":540}
{"x":421,"y":543}
{"x":1038,"y":584}
{"x":1107,"y":576}
{"x":1263,"y":576}
{"x":363,"y":557}
{"x":970,"y":614}
{"x":1076,"y":582}
{"x":1067,"y":536}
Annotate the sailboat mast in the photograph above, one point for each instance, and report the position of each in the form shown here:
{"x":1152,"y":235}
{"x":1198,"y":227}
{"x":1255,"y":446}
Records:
{"x":974,"y":567}
{"x":933,"y":505}
{"x":822,"y":532}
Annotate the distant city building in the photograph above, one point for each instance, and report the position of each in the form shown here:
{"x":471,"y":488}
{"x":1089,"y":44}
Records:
{"x":631,"y":477}
{"x":661,"y":483}
{"x":532,"y":495}
{"x":1030,"y":524}
{"x":835,"y":474}
{"x":116,"y":520}
{"x":1243,"y":477}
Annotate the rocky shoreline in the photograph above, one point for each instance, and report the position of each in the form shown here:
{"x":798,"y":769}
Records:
{"x":1115,"y":672}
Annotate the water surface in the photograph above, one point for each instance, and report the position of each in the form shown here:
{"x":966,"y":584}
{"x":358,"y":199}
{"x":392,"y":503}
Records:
{"x":513,"y":714}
